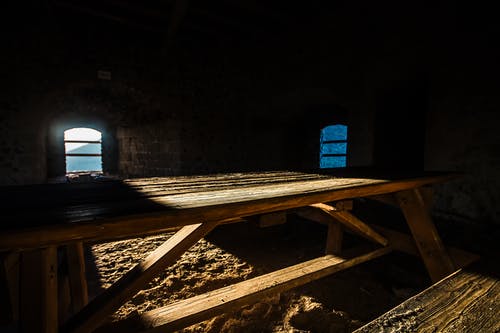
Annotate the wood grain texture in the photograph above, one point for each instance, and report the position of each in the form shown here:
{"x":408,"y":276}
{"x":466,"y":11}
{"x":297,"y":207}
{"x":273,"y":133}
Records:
{"x":467,"y":301}
{"x":37,"y":216}
{"x":343,"y":204}
{"x":352,"y":222}
{"x":7,"y":304}
{"x":334,"y":238}
{"x":38,"y":291}
{"x":427,"y":239}
{"x":98,"y":310}
{"x":271,"y":219}
{"x":201,"y":307}
{"x":11,"y":264}
{"x":77,"y":279}
{"x":315,"y":215}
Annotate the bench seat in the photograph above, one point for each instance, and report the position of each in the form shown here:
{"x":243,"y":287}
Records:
{"x":466,"y":301}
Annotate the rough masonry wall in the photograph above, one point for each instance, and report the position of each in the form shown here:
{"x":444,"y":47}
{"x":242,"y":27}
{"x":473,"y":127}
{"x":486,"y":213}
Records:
{"x":463,"y":136}
{"x":228,"y":105}
{"x":199,"y":108}
{"x":462,"y":125}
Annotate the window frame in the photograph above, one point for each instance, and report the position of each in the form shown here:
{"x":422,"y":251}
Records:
{"x":66,"y":154}
{"x":325,"y":142}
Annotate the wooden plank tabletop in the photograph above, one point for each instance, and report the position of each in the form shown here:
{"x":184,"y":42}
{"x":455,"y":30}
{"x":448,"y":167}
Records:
{"x":41,"y":215}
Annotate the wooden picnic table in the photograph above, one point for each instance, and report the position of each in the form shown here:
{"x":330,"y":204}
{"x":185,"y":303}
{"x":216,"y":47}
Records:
{"x":38,"y":219}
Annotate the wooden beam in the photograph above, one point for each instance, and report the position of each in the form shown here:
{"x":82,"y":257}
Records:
{"x":426,"y":236}
{"x":38,"y":291}
{"x":405,"y":243}
{"x":6,"y":305}
{"x":77,"y":278}
{"x":64,"y":298}
{"x":314,"y":214}
{"x":352,"y":222}
{"x":334,"y":238}
{"x":11,"y":264}
{"x":343,"y":205}
{"x":98,"y":310}
{"x":202,"y":307}
{"x":271,"y":219}
{"x":335,"y":231}
{"x":427,"y":193}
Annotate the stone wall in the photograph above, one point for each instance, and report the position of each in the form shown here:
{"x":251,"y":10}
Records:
{"x":259,"y":105}
{"x":462,"y":125}
{"x":463,"y":136}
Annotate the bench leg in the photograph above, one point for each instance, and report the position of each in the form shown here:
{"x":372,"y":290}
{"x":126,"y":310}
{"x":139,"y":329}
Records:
{"x":429,"y":244}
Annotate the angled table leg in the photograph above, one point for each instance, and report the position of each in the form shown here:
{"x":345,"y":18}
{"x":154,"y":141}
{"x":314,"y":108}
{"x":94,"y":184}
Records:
{"x":98,"y":310}
{"x":352,"y":222}
{"x":336,"y":218}
{"x":335,"y":232}
{"x":430,"y":245}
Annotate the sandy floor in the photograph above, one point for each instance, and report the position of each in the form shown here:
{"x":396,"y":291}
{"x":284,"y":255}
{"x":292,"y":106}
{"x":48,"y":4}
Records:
{"x":232,"y":253}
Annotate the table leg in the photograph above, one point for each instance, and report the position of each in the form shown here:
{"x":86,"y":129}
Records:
{"x":38,"y":291}
{"x":351,"y":222}
{"x":98,"y":310}
{"x":7,"y":291}
{"x":429,"y":244}
{"x":77,"y":279}
{"x":334,"y":238}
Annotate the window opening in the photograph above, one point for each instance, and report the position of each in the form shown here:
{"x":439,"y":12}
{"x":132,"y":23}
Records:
{"x":333,"y":147}
{"x":83,"y":150}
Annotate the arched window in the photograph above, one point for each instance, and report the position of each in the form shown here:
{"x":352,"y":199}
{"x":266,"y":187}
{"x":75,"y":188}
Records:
{"x":333,"y":147}
{"x":83,"y":150}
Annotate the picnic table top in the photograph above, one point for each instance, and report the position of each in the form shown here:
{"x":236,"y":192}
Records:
{"x":39,"y":215}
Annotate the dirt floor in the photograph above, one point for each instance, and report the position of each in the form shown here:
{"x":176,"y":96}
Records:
{"x":231,"y":253}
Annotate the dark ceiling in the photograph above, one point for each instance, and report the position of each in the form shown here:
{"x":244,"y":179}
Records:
{"x":103,"y":31}
{"x":197,"y":19}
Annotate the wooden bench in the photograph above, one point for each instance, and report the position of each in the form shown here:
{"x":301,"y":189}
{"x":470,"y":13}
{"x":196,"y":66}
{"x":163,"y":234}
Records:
{"x":466,"y":301}
{"x":201,"y":307}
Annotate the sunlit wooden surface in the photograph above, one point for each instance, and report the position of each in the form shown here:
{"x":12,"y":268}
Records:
{"x":42,"y":215}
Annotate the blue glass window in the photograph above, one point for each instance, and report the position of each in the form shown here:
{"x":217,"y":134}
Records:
{"x":333,"y":147}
